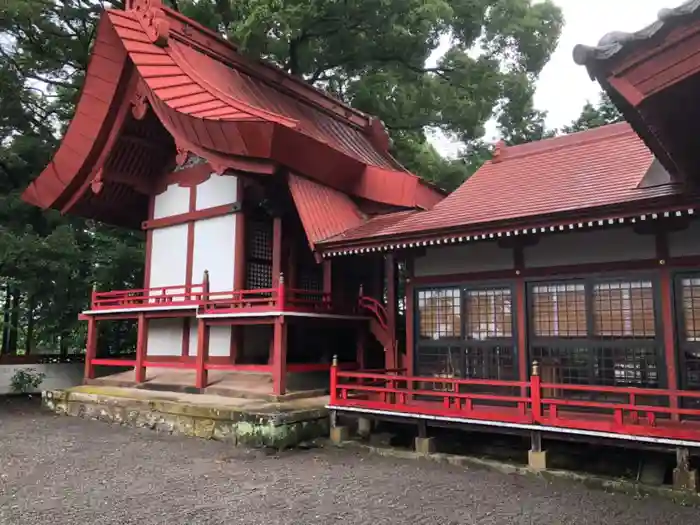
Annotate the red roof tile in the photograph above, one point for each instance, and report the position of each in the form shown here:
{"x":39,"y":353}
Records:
{"x":223,"y":107}
{"x":324,"y":212}
{"x":602,"y":167}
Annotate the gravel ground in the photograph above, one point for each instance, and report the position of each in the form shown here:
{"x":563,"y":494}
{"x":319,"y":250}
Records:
{"x":62,"y":470}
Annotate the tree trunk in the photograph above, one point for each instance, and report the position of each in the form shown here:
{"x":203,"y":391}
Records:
{"x":14,"y":322}
{"x":30,"y":327}
{"x":63,"y":346}
{"x":6,"y":323}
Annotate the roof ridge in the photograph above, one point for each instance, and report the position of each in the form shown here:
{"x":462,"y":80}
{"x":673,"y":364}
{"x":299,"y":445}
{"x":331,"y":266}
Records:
{"x":184,"y":28}
{"x":588,"y":136}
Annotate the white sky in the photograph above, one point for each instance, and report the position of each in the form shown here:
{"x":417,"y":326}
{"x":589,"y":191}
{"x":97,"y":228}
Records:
{"x":564,"y":87}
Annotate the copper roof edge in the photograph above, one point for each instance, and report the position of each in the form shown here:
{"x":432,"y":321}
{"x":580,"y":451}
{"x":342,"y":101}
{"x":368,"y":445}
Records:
{"x":650,"y":205}
{"x":561,"y":142}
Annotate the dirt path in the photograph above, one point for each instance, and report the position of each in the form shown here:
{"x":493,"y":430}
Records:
{"x":61,"y":470}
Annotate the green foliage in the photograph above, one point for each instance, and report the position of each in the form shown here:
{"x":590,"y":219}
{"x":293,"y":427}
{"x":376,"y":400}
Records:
{"x":379,"y":55}
{"x":595,"y":115}
{"x":26,"y":380}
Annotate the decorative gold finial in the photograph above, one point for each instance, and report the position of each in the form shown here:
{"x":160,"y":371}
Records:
{"x":535,"y":368}
{"x":205,"y":277}
{"x":281,"y":278}
{"x":335,"y":360}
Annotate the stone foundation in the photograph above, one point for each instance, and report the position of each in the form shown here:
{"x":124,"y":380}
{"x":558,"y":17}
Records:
{"x":244,"y":422}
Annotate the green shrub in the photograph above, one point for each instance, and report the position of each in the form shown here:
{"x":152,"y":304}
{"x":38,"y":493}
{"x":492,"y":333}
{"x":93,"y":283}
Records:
{"x":26,"y":379}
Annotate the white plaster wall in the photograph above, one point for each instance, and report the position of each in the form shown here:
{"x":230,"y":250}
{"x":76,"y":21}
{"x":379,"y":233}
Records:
{"x":685,"y":242}
{"x":165,"y":337}
{"x":173,"y":201}
{"x":169,"y":258}
{"x":469,"y":258}
{"x":214,"y":245}
{"x":193,"y":338}
{"x":58,"y":375}
{"x":219,"y":341}
{"x":217,"y":190}
{"x":598,"y":246}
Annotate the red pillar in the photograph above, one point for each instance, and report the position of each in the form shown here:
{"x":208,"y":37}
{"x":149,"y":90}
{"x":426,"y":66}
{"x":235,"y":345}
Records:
{"x":327,"y":280}
{"x":276,"y":250}
{"x":521,"y":313}
{"x":90,"y":347}
{"x":141,"y":340}
{"x":410,"y":317}
{"x":391,"y":357}
{"x":669,"y":328}
{"x":239,"y":273}
{"x":202,"y":353}
{"x":279,"y":357}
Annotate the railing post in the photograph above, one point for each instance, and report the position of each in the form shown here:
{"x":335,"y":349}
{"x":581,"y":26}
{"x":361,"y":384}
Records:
{"x":91,"y":348}
{"x":281,"y":299}
{"x":139,"y":369}
{"x":536,"y":392}
{"x":334,"y":380}
{"x":205,"y":289}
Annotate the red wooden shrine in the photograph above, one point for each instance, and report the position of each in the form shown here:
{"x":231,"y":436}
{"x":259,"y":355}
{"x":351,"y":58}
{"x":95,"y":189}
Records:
{"x":558,"y":289}
{"x":235,"y":171}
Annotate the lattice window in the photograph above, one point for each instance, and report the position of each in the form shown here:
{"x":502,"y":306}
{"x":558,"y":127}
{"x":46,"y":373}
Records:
{"x":260,"y":241}
{"x":489,"y":314}
{"x":259,"y":276}
{"x":559,"y":310}
{"x":439,"y":362}
{"x":439,"y":313}
{"x":624,"y":309}
{"x":690,"y":297}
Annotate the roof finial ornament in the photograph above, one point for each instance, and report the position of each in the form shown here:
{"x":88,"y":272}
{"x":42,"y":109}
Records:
{"x":499,"y":151}
{"x":181,"y":156}
{"x":153,"y":21}
{"x":139,"y":102}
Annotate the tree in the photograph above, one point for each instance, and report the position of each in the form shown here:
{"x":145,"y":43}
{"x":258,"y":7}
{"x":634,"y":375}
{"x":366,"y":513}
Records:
{"x":595,"y":115}
{"x":378,"y":55}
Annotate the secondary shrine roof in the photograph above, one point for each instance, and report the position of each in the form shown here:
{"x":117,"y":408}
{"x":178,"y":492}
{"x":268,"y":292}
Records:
{"x":238,"y":114}
{"x":576,"y":175}
{"x":618,"y":42}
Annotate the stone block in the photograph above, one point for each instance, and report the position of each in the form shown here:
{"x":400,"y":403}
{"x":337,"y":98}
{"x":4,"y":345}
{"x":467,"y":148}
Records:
{"x":339,"y":434}
{"x":364,"y":427}
{"x":685,"y":480}
{"x":425,"y":445}
{"x":537,"y":460}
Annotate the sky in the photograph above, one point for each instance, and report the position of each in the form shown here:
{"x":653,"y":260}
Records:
{"x":564,"y":87}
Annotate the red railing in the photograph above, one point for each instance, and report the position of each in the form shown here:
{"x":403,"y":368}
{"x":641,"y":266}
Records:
{"x":375,"y":307}
{"x":269,"y":299}
{"x":637,"y":412}
{"x":183,"y":295}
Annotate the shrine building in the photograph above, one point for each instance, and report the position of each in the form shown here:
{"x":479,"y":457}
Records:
{"x":555,"y":293}
{"x":235,"y":171}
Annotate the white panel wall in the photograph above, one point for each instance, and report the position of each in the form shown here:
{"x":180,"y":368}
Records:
{"x":193,"y":338}
{"x":598,"y":246}
{"x":168,"y":256}
{"x":219,"y":341}
{"x":469,"y":258}
{"x":165,"y":337}
{"x":217,"y":190}
{"x":173,"y":201}
{"x":214,"y":245}
{"x":685,"y":242}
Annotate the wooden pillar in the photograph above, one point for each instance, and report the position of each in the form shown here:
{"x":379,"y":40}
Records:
{"x":276,"y":250}
{"x":90,"y":347}
{"x":141,"y":340}
{"x":202,"y":353}
{"x":669,"y":327}
{"x":279,"y":357}
{"x":521,"y":314}
{"x":391,"y":358}
{"x":361,"y":344}
{"x":327,"y":266}
{"x":410,"y":317}
{"x":239,"y":272}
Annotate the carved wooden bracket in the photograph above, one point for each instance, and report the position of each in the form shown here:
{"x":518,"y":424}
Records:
{"x":139,"y":102}
{"x":152,"y":20}
{"x":97,"y":183}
